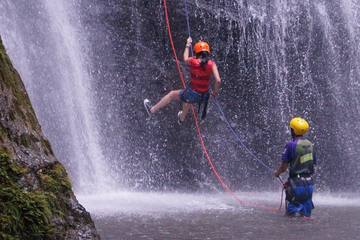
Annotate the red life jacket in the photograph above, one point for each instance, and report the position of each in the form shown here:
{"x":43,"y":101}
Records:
{"x":200,"y":76}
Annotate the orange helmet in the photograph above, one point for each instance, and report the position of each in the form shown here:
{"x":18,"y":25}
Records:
{"x":201,"y":46}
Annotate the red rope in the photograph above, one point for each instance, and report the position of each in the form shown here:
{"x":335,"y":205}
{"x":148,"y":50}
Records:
{"x":203,"y":146}
{"x":172,"y":45}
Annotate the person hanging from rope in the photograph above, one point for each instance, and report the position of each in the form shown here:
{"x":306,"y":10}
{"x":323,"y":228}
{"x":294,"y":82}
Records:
{"x":202,"y":68}
{"x":299,"y":157}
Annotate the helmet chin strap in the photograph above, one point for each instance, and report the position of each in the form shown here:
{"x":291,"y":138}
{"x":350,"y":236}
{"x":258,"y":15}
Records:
{"x":293,"y":135}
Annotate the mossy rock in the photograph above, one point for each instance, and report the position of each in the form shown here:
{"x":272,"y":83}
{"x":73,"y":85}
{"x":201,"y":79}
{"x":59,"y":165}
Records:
{"x":25,"y":215}
{"x":47,"y":147}
{"x":9,"y":172}
{"x":3,"y":132}
{"x":28,"y":214}
{"x":11,"y":80}
{"x":55,"y":179}
{"x":36,"y":200}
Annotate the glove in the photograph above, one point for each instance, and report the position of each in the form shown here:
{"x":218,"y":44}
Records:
{"x":188,"y":42}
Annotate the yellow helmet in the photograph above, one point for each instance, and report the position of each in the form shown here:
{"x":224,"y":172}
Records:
{"x":299,"y":125}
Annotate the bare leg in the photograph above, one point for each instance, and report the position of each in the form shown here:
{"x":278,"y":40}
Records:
{"x":167,"y":99}
{"x":185,"y":110}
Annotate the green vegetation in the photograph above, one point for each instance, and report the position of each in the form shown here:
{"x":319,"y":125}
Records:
{"x":55,"y":179}
{"x":27,"y":214}
{"x":36,"y":202}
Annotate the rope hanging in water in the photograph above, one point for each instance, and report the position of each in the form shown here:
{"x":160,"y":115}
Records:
{"x":198,"y":131}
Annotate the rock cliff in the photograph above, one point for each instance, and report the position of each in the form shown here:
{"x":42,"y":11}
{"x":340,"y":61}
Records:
{"x":36,"y":197}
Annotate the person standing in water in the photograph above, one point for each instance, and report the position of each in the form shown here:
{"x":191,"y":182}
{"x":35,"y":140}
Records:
{"x":202,"y":68}
{"x":299,"y":157}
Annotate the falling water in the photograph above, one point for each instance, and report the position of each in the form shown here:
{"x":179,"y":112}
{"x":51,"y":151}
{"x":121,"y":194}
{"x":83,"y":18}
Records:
{"x":277,"y":59}
{"x":88,"y":65}
{"x":46,"y":43}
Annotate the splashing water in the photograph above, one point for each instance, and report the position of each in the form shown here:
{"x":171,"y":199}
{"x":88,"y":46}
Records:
{"x":87,"y":64}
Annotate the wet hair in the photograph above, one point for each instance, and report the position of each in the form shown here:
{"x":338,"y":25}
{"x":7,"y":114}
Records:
{"x":204,"y":58}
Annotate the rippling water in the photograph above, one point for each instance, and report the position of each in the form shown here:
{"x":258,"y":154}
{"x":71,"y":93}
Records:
{"x":127,"y":215}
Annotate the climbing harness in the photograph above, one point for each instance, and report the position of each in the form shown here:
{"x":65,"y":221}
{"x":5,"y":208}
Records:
{"x":222,"y":112}
{"x":202,"y":104}
{"x":220,"y":109}
{"x":213,"y":168}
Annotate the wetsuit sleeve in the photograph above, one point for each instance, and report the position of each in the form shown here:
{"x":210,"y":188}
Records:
{"x":287,"y":154}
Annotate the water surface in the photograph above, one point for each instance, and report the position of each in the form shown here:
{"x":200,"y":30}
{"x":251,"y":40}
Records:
{"x":216,"y":216}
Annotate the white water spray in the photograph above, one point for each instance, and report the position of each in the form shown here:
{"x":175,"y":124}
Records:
{"x":92,"y":173}
{"x":67,"y":89}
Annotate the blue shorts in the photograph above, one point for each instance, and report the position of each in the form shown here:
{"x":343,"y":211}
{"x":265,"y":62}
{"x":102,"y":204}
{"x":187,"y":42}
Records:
{"x":190,"y":96}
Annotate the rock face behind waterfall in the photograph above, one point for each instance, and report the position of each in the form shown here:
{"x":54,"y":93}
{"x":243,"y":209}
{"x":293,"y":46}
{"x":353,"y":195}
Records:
{"x":36,"y":198}
{"x":277,"y":59}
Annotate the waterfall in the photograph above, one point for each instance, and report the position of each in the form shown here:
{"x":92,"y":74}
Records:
{"x":88,"y":65}
{"x":277,"y":59}
{"x":46,"y":42}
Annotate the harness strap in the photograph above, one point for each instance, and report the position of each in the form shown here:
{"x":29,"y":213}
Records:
{"x":204,"y":102}
{"x":213,"y":168}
